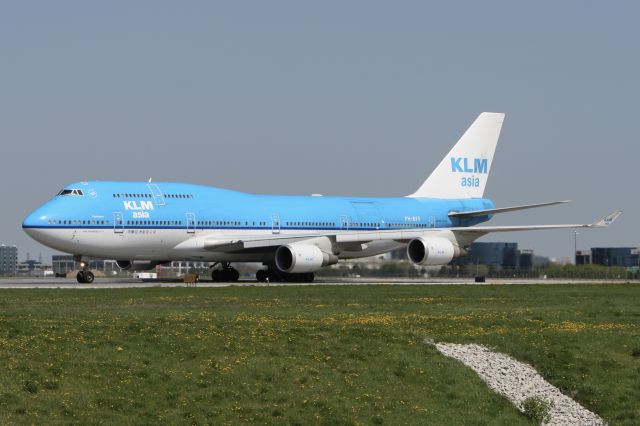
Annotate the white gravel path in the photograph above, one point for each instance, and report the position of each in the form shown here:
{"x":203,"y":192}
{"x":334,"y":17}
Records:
{"x":518,"y":381}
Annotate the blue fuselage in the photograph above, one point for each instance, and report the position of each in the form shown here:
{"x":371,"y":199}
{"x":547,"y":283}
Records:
{"x":136,"y":205}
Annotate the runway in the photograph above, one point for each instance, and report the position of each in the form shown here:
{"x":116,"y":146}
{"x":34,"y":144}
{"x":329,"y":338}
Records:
{"x":115,"y":283}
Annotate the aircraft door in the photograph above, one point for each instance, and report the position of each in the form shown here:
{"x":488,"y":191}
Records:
{"x":344,"y":222}
{"x":156,"y":192}
{"x":367,"y":214}
{"x":118,"y":223}
{"x":191,"y":223}
{"x":275,"y":224}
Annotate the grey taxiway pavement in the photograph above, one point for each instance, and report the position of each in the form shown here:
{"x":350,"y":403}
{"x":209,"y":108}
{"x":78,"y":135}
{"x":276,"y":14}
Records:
{"x":111,"y":283}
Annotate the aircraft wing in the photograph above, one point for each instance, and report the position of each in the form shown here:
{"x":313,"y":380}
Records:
{"x":464,"y":235}
{"x":477,"y":213}
{"x":258,"y":241}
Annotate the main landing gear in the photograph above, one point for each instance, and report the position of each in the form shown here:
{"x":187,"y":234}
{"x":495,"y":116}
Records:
{"x":226,"y":274}
{"x":84,"y":276}
{"x":273,"y":274}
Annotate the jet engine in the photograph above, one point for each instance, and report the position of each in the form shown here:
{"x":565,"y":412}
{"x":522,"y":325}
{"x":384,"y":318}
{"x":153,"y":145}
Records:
{"x":137,"y":265}
{"x":300,"y":258}
{"x":432,"y":251}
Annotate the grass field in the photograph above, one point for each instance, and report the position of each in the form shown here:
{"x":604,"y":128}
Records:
{"x":308,"y":355}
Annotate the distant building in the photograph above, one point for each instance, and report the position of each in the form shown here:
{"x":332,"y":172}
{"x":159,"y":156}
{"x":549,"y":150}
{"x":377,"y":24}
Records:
{"x":526,"y":260}
{"x":397,"y":254}
{"x":63,"y":263}
{"x":8,"y":259}
{"x":29,"y":265}
{"x":33,"y":268}
{"x":583,"y":257}
{"x":499,"y":255}
{"x":627,"y":257}
{"x":490,"y":254}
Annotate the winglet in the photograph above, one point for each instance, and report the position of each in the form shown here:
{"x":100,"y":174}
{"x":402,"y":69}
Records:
{"x":607,"y":220}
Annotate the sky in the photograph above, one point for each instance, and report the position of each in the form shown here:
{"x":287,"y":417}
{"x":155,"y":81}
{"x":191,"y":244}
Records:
{"x":333,"y":97}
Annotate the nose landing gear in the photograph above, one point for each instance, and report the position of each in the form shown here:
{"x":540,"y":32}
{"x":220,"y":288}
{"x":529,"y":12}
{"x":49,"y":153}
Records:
{"x":84,"y":276}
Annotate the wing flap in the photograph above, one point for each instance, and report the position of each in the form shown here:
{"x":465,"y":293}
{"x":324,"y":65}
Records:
{"x":248,"y":242}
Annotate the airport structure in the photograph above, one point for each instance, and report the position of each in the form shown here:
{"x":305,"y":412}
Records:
{"x":583,"y":257}
{"x":497,"y":255}
{"x":626,"y":257}
{"x":63,"y":264}
{"x":8,"y":259}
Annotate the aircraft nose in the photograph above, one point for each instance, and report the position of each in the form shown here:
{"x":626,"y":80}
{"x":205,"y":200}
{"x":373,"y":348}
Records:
{"x":36,"y":219}
{"x":39,"y":223}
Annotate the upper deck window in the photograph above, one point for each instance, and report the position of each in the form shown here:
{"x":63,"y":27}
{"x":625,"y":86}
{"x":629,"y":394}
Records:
{"x":71,"y":192}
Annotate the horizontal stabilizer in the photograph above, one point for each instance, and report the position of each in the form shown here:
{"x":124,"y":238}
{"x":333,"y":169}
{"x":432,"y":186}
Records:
{"x":478,"y":213}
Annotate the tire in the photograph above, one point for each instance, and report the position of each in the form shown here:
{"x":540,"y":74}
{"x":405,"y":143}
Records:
{"x":234,"y":275}
{"x":80,"y":277}
{"x":275,"y":276}
{"x":88,"y":277}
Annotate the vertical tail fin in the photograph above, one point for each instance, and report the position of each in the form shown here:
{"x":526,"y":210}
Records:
{"x":464,"y":171}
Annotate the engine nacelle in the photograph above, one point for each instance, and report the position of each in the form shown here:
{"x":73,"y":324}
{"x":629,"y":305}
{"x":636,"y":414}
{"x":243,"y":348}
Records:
{"x":432,"y":251}
{"x":300,"y":258}
{"x":137,"y":265}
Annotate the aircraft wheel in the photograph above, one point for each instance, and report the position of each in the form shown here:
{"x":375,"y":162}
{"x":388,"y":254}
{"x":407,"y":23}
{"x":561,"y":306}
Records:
{"x":261,"y":275}
{"x":225,"y":275}
{"x":275,"y":276}
{"x":85,"y":277}
{"x":234,"y":275}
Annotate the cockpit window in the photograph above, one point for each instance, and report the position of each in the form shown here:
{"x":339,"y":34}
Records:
{"x":71,"y":192}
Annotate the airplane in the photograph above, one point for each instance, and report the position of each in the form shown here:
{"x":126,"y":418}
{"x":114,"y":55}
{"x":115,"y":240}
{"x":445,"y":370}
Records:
{"x":145,"y":224}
